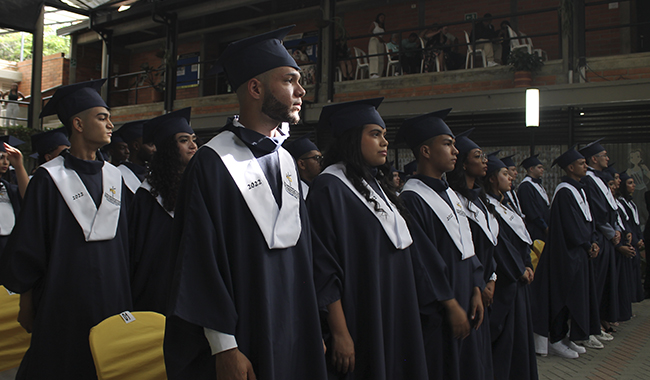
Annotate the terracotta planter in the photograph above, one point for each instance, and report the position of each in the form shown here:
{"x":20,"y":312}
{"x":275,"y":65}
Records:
{"x":523,"y":79}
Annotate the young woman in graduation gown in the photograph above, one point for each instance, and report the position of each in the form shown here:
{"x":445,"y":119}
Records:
{"x":363,"y":254}
{"x":511,"y":327}
{"x":626,"y":201}
{"x":151,"y":215}
{"x":466,"y":181}
{"x":11,"y":194}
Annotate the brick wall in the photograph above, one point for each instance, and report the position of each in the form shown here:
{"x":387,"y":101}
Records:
{"x":55,"y":73}
{"x":603,"y":42}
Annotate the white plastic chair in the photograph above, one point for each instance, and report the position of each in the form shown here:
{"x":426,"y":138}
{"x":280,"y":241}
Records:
{"x":392,"y":63}
{"x":469,"y":60}
{"x":539,"y":52}
{"x":516,"y":44}
{"x":422,"y":45}
{"x":338,"y":75}
{"x":362,"y":63}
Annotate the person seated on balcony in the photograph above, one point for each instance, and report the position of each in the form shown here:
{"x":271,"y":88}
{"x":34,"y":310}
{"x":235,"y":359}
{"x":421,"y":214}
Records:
{"x":435,"y":41}
{"x":343,"y":58}
{"x":485,"y":38}
{"x":504,"y":36}
{"x":411,"y":54}
{"x":376,"y":46}
{"x":453,"y":59}
{"x":306,"y":64}
{"x":393,"y":47}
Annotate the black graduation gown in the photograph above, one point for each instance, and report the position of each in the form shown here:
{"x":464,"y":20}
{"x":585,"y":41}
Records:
{"x":485,"y":253}
{"x":636,"y":286}
{"x":511,"y":326}
{"x":464,"y":275}
{"x":605,"y":270}
{"x":358,"y":264}
{"x":535,"y":208}
{"x":566,"y":265}
{"x":227,"y":279}
{"x":76,"y":284}
{"x":152,"y":261}
{"x":625,"y":267}
{"x":14,"y":196}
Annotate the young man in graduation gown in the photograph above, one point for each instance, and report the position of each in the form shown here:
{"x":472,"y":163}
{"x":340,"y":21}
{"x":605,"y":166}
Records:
{"x":435,"y":207}
{"x":48,"y":145}
{"x":566,"y":264}
{"x":309,"y":160}
{"x":243,"y":301}
{"x":118,"y":150}
{"x":134,"y":168}
{"x":151,"y":214}
{"x":511,"y":196}
{"x":603,"y":207}
{"x":533,"y":199}
{"x":67,"y":255}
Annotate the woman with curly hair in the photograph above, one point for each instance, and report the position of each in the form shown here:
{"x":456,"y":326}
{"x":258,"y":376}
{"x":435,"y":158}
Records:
{"x":364,"y":263}
{"x":152,"y":212}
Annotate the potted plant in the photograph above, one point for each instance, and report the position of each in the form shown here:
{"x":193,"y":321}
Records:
{"x":524,"y":65}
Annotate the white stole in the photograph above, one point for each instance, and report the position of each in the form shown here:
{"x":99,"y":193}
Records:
{"x":603,"y":189}
{"x":632,"y":206}
{"x":512,"y":219}
{"x":514,"y":199}
{"x":130,"y":179}
{"x":97,"y":224}
{"x":390,"y":219}
{"x":488,"y":223}
{"x":305,"y":189}
{"x":147,"y":186}
{"x":540,"y":189}
{"x":281,"y":227}
{"x":454,"y":219}
{"x":7,"y":215}
{"x":580,"y":197}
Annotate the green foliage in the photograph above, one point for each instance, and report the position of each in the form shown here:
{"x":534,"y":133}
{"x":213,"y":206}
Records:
{"x":10,"y":44}
{"x":521,"y":60}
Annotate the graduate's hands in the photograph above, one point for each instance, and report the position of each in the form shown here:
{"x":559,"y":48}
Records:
{"x":640,"y":245}
{"x":477,"y":310}
{"x":342,"y":348}
{"x":14,"y":156}
{"x":26,"y":313}
{"x":528,"y":275}
{"x":488,"y":294}
{"x":617,"y":238}
{"x":594,"y":251}
{"x":626,"y":250}
{"x":457,"y":319}
{"x":233,"y":365}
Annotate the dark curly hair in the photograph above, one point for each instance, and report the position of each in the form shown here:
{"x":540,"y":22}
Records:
{"x":165,"y":172}
{"x":458,"y":183}
{"x":347,"y":149}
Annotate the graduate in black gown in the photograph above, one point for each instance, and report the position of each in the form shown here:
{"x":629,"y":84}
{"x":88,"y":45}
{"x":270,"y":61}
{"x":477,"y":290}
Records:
{"x":566,"y":264}
{"x":365,"y":266}
{"x":151,"y":214}
{"x":11,"y":194}
{"x":511,"y":326}
{"x":625,"y":200}
{"x":68,"y":253}
{"x":140,"y":153}
{"x":308,"y":158}
{"x":511,"y":195}
{"x":533,"y":199}
{"x":243,"y":301}
{"x":466,"y":180}
{"x":603,"y":210}
{"x":435,"y":207}
{"x":48,"y":145}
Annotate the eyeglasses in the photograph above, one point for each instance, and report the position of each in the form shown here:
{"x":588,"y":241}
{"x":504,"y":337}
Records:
{"x":601,"y":155}
{"x":482,"y":156}
{"x":317,"y":157}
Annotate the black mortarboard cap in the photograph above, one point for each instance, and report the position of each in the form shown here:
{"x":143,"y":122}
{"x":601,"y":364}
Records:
{"x":611,"y":169}
{"x":567,"y":158}
{"x":131,"y":130}
{"x":341,"y":117}
{"x":494,"y":163}
{"x":45,"y":142}
{"x":411,"y":167}
{"x":624,"y":177}
{"x":72,"y":99}
{"x":463,"y":142}
{"x":298,"y":147}
{"x":592,"y":148}
{"x":508,"y":160}
{"x":159,"y":128}
{"x":417,"y":130}
{"x":9,"y":140}
{"x":606,"y":176}
{"x":247,"y":58}
{"x":531,"y":161}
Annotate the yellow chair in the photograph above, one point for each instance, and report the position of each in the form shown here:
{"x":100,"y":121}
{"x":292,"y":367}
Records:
{"x":536,"y":252}
{"x":129,"y":346}
{"x":14,"y":340}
